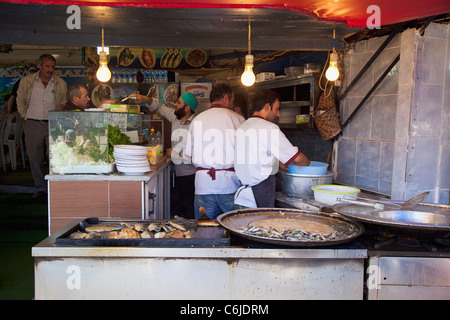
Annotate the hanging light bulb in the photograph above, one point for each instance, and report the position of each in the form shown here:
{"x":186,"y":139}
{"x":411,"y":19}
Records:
{"x":248,"y":77}
{"x":333,"y":72}
{"x":103,"y":73}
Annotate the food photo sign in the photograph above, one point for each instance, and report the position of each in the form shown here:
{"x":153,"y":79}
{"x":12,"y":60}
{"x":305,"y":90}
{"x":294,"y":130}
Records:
{"x":169,"y":58}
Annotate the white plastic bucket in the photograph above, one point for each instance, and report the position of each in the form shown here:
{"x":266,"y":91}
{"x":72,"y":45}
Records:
{"x":329,"y":193}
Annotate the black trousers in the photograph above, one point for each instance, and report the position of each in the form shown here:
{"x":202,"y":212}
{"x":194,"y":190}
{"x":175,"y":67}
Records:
{"x":182,"y":197}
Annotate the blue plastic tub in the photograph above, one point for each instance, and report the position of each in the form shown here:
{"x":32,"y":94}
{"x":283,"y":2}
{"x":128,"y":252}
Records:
{"x":316,"y":168}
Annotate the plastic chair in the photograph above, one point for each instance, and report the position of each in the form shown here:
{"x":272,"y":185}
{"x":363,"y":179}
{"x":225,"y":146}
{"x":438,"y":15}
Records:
{"x":12,"y":140}
{"x":2,"y":125}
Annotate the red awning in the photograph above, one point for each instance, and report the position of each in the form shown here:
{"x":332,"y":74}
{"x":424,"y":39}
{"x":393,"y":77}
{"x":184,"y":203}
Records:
{"x":353,"y":12}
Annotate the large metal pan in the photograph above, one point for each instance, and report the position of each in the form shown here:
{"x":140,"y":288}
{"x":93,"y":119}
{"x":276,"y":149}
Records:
{"x":347,"y":229}
{"x":425,"y":220}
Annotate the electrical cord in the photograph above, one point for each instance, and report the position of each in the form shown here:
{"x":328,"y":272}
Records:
{"x":326,"y":83}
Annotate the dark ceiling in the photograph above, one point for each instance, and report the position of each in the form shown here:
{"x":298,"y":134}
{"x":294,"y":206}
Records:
{"x":209,"y":28}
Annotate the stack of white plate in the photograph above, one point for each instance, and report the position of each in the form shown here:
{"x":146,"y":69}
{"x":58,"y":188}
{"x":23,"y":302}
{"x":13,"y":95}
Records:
{"x":131,"y":160}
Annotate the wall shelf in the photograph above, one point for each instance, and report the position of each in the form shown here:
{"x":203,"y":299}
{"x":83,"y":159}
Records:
{"x":299,"y":95}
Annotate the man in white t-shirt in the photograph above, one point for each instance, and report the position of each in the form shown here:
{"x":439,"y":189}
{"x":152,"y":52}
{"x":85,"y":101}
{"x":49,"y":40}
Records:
{"x":210,"y":144}
{"x":260,"y":147}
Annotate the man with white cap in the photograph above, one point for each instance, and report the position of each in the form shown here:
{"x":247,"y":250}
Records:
{"x":183,"y":188}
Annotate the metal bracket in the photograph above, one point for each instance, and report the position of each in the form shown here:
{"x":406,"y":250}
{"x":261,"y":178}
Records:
{"x":421,"y":30}
{"x":371,"y":60}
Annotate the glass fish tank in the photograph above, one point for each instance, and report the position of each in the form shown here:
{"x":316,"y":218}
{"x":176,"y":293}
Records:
{"x":83,"y":142}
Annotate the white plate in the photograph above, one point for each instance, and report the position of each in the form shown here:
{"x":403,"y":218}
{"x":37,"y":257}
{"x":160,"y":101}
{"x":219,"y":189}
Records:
{"x":133,"y":169}
{"x":132,"y":164}
{"x":130,"y":153}
{"x":121,"y":157}
{"x":102,"y":91}
{"x":131,"y":160}
{"x":134,"y":173}
{"x":122,"y":161}
{"x":127,"y":154}
{"x":130,"y":149}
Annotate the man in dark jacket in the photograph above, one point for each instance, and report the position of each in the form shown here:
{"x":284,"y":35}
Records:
{"x":77,"y":98}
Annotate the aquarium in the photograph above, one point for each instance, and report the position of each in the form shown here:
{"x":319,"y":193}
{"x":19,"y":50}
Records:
{"x":83,"y":142}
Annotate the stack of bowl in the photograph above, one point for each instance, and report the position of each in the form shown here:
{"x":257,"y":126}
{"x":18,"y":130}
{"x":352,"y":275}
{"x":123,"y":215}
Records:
{"x":131,"y":160}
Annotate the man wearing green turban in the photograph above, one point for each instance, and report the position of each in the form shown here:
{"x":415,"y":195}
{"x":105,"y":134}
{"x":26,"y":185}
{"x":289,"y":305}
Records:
{"x":183,"y":189}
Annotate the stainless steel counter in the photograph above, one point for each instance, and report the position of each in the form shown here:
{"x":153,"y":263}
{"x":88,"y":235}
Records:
{"x":72,"y":272}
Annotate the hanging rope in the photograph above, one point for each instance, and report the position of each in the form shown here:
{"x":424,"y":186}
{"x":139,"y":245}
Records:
{"x":323,"y":70}
{"x":249,"y":36}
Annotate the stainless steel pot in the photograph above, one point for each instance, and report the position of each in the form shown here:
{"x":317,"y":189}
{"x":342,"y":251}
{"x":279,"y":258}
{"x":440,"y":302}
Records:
{"x":299,"y":185}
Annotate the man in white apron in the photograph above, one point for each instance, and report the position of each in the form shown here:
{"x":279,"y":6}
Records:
{"x":210,"y":144}
{"x":260,"y":146}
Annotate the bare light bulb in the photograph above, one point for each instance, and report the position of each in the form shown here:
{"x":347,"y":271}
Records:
{"x":103,"y":73}
{"x":248,"y":77}
{"x":332,"y":72}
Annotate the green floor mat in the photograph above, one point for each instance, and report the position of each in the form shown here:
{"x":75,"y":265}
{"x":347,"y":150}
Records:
{"x":23,"y":224}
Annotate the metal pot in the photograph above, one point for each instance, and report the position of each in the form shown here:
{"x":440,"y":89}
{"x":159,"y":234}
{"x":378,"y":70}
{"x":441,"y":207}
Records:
{"x":299,"y":185}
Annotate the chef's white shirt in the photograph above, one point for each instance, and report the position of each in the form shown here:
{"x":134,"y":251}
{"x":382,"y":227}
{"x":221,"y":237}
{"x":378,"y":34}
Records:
{"x":259,"y":143}
{"x":210,"y":144}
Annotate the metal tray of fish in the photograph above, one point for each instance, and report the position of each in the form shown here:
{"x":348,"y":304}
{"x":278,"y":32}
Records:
{"x":111,"y":232}
{"x":291,"y":227}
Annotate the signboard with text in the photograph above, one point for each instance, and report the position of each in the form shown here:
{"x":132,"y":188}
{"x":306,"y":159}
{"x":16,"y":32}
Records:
{"x":9,"y":76}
